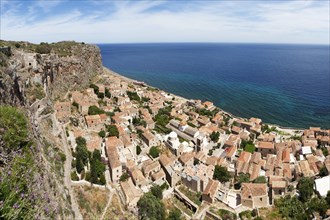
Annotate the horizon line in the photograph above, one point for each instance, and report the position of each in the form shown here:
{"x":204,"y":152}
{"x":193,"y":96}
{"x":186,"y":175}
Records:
{"x":178,"y":42}
{"x":205,"y":42}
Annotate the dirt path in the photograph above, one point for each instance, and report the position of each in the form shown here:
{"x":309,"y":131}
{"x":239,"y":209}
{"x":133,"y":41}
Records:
{"x":67,"y":174}
{"x":111,"y":192}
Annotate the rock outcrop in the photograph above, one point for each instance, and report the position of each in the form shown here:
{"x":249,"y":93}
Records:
{"x":23,"y":69}
{"x":31,"y":78}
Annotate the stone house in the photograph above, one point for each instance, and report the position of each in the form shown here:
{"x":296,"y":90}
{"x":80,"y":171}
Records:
{"x":149,"y":139}
{"x":115,"y":166}
{"x":63,"y":111}
{"x":254,"y":195}
{"x":132,"y":193}
{"x":266,"y":148}
{"x":211,"y":191}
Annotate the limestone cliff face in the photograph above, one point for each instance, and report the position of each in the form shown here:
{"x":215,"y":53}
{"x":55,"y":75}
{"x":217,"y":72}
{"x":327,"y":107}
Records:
{"x":32,"y":77}
{"x":68,"y":65}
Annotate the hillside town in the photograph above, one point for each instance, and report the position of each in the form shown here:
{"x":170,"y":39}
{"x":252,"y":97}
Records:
{"x":131,"y":137}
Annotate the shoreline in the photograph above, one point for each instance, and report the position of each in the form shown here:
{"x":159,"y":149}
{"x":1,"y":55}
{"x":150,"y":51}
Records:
{"x":278,"y":127}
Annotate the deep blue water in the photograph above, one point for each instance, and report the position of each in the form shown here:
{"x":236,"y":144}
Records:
{"x":288,"y":85}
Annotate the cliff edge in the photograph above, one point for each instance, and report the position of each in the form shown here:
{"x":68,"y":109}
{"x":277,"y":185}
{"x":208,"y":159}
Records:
{"x":32,"y":77}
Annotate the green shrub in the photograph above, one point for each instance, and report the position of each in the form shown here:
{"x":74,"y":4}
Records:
{"x":221,"y":174}
{"x":225,"y":214}
{"x":100,"y":95}
{"x":88,"y":176}
{"x":154,"y":152}
{"x":260,"y":179}
{"x":138,"y":150}
{"x":16,"y":187}
{"x":94,"y":110}
{"x":124,"y":177}
{"x":107,"y":93}
{"x":95,"y":87}
{"x":62,"y":156}
{"x":43,"y":48}
{"x":245,"y":214}
{"x":13,"y":127}
{"x":150,"y":207}
{"x":133,"y":96}
{"x":75,"y":104}
{"x":215,"y":136}
{"x":74,"y":176}
{"x":112,"y":131}
{"x":102,"y":134}
{"x":157,"y":191}
{"x":102,"y":180}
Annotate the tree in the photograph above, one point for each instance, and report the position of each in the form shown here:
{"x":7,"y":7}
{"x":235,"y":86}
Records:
{"x":95,"y":88}
{"x":79,"y":165}
{"x":163,"y":116}
{"x":100,"y":95}
{"x":324,"y":171}
{"x":221,"y":174}
{"x":107,"y":93}
{"x":80,"y":141}
{"x":291,"y":208}
{"x":82,"y":154}
{"x":138,"y":150}
{"x":215,"y":136}
{"x":94,"y":110}
{"x":138,"y":121}
{"x":97,"y":167}
{"x":133,"y":96}
{"x":317,"y":205}
{"x":248,"y":146}
{"x":112,"y":130}
{"x":243,"y":178}
{"x":325,"y":151}
{"x":13,"y":127}
{"x":305,"y":188}
{"x":157,"y":191}
{"x":102,"y":179}
{"x":150,"y":207}
{"x":327,"y":198}
{"x":102,"y":134}
{"x":260,"y":179}
{"x":175,"y":214}
{"x":154,"y":152}
{"x":145,"y":99}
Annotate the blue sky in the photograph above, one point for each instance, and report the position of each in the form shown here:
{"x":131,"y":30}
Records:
{"x":97,"y":21}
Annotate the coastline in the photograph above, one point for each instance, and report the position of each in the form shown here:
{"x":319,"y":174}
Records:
{"x":290,"y":130}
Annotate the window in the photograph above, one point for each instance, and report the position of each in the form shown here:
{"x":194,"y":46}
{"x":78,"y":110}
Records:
{"x":260,"y":199}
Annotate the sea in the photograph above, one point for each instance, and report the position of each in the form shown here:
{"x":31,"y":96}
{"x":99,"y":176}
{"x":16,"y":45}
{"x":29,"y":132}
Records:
{"x":283,"y":84}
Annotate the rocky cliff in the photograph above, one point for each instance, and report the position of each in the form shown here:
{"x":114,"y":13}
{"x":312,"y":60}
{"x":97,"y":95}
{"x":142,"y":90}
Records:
{"x":32,"y":77}
{"x":29,"y":71}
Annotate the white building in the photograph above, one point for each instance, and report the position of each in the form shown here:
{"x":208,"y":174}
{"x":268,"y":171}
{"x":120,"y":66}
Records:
{"x":322,"y":185}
